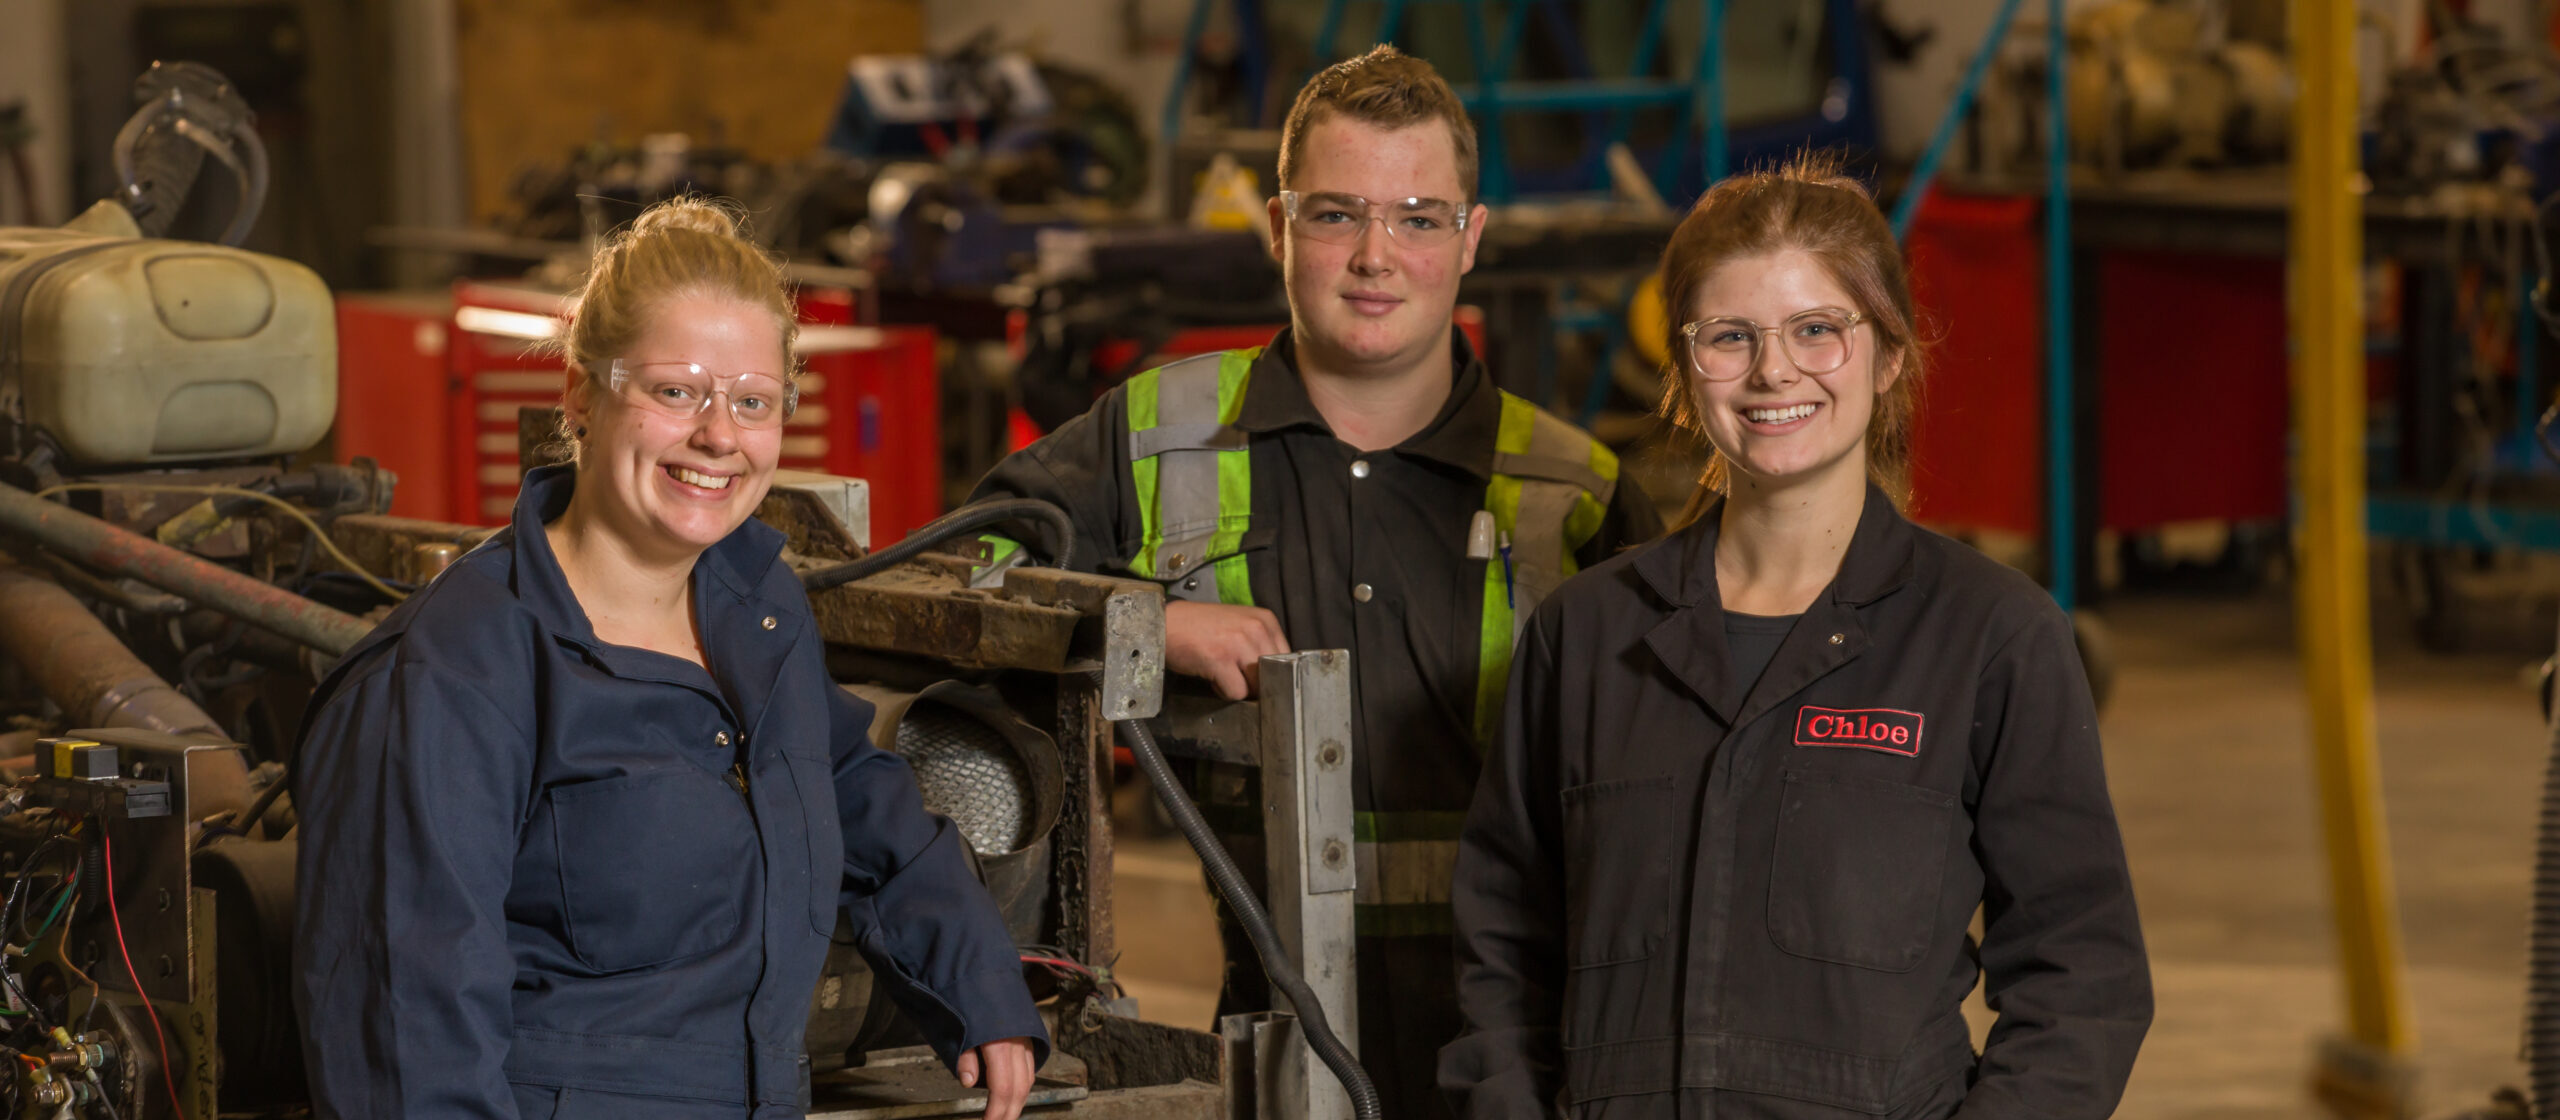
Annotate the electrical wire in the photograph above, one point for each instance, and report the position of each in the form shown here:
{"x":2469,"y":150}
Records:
{"x":290,"y":509}
{"x":117,"y":920}
{"x":971,"y":518}
{"x":1232,"y":887}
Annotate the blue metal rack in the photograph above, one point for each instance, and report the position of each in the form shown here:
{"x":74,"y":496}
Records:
{"x":1609,"y":104}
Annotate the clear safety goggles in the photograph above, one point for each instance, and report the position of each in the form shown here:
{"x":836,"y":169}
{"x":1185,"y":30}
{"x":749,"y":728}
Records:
{"x":1342,"y":218}
{"x":683,"y":390}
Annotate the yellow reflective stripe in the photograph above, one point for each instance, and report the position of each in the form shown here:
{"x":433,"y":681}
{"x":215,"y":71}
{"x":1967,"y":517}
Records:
{"x":1235,"y":486}
{"x":1417,"y":919}
{"x":1584,"y":522}
{"x":1493,"y":638}
{"x":1142,"y":415}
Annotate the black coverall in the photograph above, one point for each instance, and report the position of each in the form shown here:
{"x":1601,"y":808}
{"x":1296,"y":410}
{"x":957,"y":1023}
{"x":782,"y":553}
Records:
{"x":1671,"y":904}
{"x":1396,"y":528}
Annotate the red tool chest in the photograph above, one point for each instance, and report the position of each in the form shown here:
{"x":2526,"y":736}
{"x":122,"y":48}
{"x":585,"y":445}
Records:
{"x":869,"y":404}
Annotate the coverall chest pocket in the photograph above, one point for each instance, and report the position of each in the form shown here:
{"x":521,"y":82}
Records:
{"x":1617,"y":869}
{"x":653,"y":866}
{"x":1855,"y":875}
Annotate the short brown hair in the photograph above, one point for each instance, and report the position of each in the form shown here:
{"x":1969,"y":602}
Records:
{"x":1811,"y":206}
{"x":1386,"y":88}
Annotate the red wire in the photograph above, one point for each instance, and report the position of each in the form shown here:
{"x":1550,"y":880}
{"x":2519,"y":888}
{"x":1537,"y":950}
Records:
{"x":1055,"y":962}
{"x":107,"y":850}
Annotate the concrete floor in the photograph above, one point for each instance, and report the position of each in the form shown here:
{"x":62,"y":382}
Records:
{"x":2208,"y":754}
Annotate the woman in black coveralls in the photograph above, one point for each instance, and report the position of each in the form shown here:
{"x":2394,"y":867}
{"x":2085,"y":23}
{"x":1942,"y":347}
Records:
{"x":1756,"y":777}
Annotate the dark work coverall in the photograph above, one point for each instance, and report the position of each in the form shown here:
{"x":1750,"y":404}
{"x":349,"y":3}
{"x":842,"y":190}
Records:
{"x":544,"y":876}
{"x":1671,"y":904}
{"x":1398,"y":526}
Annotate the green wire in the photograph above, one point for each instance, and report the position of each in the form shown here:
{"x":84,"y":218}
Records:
{"x":58,"y":908}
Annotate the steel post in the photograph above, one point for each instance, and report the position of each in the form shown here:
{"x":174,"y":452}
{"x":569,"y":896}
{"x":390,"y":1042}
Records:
{"x":1307,"y":832}
{"x":2335,"y":638}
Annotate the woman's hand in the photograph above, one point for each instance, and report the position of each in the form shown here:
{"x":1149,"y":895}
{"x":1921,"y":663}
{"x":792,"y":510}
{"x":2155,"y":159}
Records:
{"x":1004,"y":1067}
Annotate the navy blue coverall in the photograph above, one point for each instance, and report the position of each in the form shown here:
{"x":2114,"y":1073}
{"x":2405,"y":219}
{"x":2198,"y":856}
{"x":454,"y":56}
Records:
{"x":544,"y":876}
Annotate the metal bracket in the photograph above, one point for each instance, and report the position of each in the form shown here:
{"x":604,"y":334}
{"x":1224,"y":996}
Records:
{"x":1307,"y":834}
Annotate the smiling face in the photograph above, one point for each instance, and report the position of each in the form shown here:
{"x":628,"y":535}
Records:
{"x":1374,"y":303}
{"x":671,"y":487}
{"x":1777,"y":425}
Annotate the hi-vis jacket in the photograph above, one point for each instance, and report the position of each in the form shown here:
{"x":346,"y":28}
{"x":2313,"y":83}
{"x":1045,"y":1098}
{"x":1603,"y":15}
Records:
{"x":549,"y":878}
{"x":1218,"y":478}
{"x":1673,"y":905}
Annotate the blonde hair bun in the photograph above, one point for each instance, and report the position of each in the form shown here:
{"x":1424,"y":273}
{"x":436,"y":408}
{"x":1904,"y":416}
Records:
{"x":690,"y":245}
{"x":701,"y":215}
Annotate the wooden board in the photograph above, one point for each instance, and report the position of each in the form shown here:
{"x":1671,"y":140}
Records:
{"x":539,"y":77}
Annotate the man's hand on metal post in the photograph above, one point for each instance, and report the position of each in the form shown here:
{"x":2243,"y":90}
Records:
{"x":1221,"y":643}
{"x":1004,"y":1067}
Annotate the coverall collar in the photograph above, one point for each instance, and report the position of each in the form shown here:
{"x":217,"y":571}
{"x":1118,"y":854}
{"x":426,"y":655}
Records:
{"x":1690,"y":639}
{"x":745,"y":650}
{"x":1462,"y":435}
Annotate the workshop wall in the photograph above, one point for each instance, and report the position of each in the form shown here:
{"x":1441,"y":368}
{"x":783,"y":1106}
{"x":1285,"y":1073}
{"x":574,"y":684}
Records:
{"x":540,"y":77}
{"x":31,"y":70}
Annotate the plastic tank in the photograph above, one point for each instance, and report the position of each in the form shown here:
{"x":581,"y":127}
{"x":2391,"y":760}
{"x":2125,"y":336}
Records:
{"x":129,"y":350}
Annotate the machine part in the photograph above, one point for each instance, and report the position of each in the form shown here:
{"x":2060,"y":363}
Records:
{"x":968,"y":520}
{"x":189,"y":111}
{"x":1249,"y":912}
{"x":1311,"y":869}
{"x":251,"y":886}
{"x":911,"y":1082}
{"x":138,"y":351}
{"x":1132,"y":631}
{"x":108,"y":548}
{"x":997,"y":777}
{"x":81,"y":666}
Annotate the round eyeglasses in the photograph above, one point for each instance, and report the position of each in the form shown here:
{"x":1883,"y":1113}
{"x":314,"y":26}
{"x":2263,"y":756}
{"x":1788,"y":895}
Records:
{"x":1342,"y":218}
{"x":683,"y":390}
{"x":1728,"y":348}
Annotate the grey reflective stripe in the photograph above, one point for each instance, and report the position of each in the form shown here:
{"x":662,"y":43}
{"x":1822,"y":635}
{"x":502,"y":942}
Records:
{"x":1186,"y":472}
{"x":1212,"y":436}
{"x":1554,"y":472}
{"x":1550,"y":469}
{"x":1404,"y":871}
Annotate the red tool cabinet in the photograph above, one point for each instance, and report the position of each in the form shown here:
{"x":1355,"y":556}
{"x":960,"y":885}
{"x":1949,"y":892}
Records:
{"x":447,"y":423}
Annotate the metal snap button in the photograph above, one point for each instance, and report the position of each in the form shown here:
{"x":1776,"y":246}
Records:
{"x":721,"y":738}
{"x":1359,"y":468}
{"x":1360,"y":593}
{"x":1176,"y":562}
{"x":768,"y":622}
{"x":1837,"y":639}
{"x":1192,"y":584}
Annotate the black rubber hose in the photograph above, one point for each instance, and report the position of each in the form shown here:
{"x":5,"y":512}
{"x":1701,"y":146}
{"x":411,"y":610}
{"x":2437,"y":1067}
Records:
{"x":975,"y":517}
{"x":247,"y":817}
{"x":2542,"y":987}
{"x":1256,"y":921}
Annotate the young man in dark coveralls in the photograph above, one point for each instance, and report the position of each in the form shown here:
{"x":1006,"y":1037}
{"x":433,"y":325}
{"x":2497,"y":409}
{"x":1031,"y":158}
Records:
{"x":1321,"y":492}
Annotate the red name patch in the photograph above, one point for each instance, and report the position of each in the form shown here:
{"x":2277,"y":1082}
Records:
{"x":1891,"y":730}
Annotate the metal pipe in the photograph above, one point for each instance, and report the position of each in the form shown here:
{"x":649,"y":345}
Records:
{"x":2326,"y":244}
{"x":94,"y":679}
{"x":108,"y":548}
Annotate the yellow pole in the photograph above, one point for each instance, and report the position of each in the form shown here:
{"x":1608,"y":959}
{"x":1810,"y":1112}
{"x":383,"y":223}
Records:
{"x":2327,"y":250}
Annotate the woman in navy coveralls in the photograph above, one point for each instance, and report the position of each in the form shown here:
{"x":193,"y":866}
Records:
{"x":578,"y":819}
